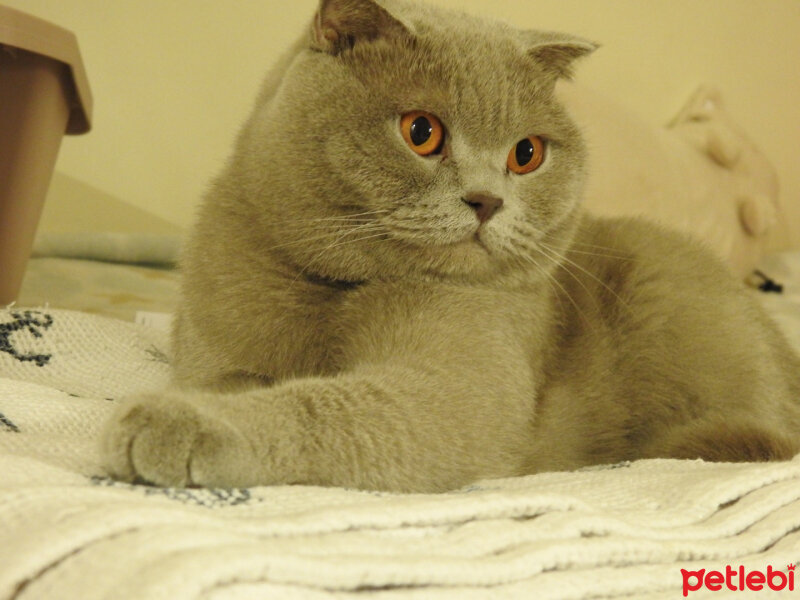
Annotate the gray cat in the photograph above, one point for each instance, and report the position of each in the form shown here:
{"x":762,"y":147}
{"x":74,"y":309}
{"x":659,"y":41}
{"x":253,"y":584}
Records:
{"x":392,"y":286}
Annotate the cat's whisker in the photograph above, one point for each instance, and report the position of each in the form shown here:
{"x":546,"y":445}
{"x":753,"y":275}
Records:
{"x":420,"y":234}
{"x":316,"y":229}
{"x":584,"y":244}
{"x":601,"y":254}
{"x":433,"y":231}
{"x":355,"y":241}
{"x":335,"y":244}
{"x":558,"y":257}
{"x":348,"y":217}
{"x":429,"y":226}
{"x":525,"y":230}
{"x":337,"y":233}
{"x":607,"y":251}
{"x":309,"y":224}
{"x":550,"y":278}
{"x":577,"y":279}
{"x":300,"y":225}
{"x":530,"y":232}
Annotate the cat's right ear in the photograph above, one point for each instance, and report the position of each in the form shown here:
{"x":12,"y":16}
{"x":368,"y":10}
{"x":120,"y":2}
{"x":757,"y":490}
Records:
{"x":341,"y":24}
{"x":556,"y":53}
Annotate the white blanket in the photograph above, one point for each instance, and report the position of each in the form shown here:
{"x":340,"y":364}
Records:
{"x":67,"y":531}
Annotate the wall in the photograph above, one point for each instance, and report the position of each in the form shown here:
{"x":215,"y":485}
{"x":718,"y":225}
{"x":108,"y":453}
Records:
{"x":173,"y":80}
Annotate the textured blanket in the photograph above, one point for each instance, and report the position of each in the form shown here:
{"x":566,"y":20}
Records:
{"x":648,"y":529}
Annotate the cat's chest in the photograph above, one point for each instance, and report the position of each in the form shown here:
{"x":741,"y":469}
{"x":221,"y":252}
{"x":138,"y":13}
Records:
{"x":387,"y":322}
{"x":324,"y":332}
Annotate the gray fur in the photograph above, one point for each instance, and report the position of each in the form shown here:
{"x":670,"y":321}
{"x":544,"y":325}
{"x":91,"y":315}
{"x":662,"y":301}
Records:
{"x":341,"y":325}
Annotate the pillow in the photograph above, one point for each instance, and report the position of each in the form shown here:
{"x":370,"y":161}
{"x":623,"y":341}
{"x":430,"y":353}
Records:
{"x":700,"y":173}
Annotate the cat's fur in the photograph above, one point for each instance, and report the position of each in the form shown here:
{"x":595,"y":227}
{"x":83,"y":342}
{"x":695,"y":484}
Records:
{"x":341,"y":323}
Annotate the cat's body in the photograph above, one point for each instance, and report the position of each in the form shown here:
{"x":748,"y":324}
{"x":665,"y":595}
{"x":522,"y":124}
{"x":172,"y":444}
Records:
{"x":358,"y":313}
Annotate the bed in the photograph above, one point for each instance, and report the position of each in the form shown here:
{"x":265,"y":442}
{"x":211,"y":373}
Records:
{"x":644,"y":529}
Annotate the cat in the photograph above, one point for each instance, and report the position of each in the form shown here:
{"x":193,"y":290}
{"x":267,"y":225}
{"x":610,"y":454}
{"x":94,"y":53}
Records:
{"x":392,"y":286}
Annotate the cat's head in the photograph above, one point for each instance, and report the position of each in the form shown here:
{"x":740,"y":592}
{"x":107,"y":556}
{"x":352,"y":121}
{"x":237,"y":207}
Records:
{"x":403,"y":139}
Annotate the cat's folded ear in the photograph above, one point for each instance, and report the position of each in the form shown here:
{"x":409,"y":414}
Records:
{"x":556,"y":53}
{"x":341,"y":24}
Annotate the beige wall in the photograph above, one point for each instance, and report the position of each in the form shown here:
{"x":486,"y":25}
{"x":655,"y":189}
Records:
{"x":173,"y":80}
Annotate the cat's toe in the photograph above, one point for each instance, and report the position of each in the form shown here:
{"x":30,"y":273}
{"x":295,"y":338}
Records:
{"x":221,"y":457}
{"x":167,"y":441}
{"x":116,"y":440}
{"x":148,"y":440}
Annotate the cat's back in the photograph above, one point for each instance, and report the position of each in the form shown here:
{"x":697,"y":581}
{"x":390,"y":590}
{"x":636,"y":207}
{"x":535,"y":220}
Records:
{"x":632,"y":268}
{"x":654,"y":329}
{"x":637,"y":278}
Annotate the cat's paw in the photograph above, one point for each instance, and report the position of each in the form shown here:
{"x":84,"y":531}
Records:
{"x":167,"y":440}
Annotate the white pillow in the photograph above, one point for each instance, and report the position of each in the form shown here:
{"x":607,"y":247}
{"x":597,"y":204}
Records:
{"x":700,"y":173}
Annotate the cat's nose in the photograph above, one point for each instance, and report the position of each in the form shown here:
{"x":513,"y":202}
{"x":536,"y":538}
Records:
{"x":484,"y":204}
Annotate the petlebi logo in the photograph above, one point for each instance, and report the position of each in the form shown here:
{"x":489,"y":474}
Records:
{"x":738,"y":579}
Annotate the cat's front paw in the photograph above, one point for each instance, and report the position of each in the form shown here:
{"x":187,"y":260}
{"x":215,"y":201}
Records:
{"x":168,"y":440}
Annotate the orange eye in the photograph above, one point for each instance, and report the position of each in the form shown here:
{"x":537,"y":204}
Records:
{"x":526,"y":156}
{"x":422,"y":131}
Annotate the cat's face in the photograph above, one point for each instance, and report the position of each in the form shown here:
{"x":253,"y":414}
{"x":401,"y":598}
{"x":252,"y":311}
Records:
{"x":408,"y":140}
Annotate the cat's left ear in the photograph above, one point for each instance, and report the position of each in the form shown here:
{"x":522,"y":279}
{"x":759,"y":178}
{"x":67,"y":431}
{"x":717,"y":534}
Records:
{"x":341,"y":24}
{"x":556,"y":53}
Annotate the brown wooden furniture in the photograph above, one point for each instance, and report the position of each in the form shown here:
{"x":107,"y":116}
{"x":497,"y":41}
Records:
{"x":44,"y":93}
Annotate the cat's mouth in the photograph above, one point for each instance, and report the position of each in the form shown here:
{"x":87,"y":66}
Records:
{"x":473,"y":253}
{"x":476,"y":238}
{"x":468,"y":246}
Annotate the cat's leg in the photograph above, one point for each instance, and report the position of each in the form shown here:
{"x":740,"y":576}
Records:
{"x":386,"y":427}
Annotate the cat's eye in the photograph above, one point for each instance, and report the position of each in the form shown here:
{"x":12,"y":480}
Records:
{"x":526,"y":156}
{"x":423,"y":132}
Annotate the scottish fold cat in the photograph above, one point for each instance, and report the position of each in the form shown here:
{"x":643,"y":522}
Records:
{"x":391,"y":285}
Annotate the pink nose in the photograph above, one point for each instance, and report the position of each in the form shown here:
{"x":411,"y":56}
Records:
{"x":484,"y":204}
